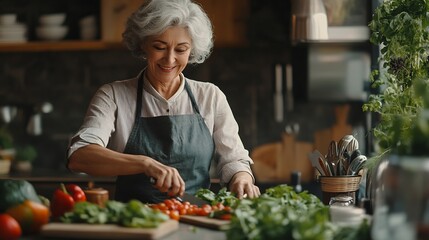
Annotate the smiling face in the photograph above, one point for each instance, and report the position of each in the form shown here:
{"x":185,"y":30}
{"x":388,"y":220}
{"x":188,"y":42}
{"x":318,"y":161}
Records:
{"x":167,"y":55}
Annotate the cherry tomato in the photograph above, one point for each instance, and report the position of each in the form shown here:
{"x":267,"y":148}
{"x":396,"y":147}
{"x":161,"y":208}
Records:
{"x":170,"y":204}
{"x":204,"y":210}
{"x":220,"y":206}
{"x":226,"y":216}
{"x":191,"y":211}
{"x":162,"y":206}
{"x":10,"y":229}
{"x":166,"y":212}
{"x":174,"y":214}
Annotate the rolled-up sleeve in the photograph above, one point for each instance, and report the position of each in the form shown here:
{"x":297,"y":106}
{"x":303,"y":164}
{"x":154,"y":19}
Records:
{"x":232,"y":156}
{"x":99,"y":121}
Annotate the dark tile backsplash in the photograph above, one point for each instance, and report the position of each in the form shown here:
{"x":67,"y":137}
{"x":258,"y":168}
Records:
{"x":69,"y":79}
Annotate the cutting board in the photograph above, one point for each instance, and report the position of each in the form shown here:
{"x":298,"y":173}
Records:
{"x":107,"y":231}
{"x":341,"y":127}
{"x":206,"y":222}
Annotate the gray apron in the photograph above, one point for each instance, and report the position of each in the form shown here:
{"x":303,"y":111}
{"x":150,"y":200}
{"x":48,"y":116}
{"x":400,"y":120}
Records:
{"x":181,"y":141}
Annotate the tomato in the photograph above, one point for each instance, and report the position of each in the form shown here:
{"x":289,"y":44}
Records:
{"x":170,"y":204}
{"x":30,"y":215}
{"x":162,"y":206}
{"x":183,"y":209}
{"x":204,"y":210}
{"x":10,"y":229}
{"x":226,"y":216}
{"x":166,"y":212}
{"x":191,"y":211}
{"x":220,"y":206}
{"x":174,"y":214}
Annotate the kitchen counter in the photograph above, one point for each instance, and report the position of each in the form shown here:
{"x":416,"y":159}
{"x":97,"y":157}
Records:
{"x":185,"y":232}
{"x":45,"y":181}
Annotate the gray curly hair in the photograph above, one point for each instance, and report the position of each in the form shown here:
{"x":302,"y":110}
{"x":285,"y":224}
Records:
{"x":155,"y":16}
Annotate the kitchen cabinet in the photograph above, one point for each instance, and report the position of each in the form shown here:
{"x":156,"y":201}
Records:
{"x":229,"y":19}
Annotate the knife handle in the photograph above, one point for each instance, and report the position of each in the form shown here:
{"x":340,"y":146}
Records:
{"x":153,"y":182}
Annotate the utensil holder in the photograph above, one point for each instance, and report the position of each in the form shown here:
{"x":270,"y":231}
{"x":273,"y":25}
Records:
{"x":339,"y":185}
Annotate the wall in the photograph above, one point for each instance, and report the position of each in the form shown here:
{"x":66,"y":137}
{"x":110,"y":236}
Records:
{"x":244,"y":73}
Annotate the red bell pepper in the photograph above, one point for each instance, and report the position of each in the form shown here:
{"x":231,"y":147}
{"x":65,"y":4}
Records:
{"x":76,"y":192}
{"x":64,"y":199}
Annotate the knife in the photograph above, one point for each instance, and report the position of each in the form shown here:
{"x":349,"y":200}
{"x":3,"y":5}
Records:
{"x":187,"y":197}
{"x":193,"y":200}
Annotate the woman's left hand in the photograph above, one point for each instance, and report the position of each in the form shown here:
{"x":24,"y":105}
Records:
{"x":242,"y":185}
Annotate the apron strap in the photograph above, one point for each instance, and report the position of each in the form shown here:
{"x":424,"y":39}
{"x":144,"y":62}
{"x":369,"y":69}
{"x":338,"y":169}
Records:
{"x":191,"y":96}
{"x":139,"y":97}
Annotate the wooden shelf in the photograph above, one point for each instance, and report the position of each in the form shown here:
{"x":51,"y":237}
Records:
{"x":67,"y":45}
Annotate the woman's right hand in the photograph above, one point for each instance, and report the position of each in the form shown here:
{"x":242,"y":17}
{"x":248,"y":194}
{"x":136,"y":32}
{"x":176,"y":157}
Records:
{"x":167,"y":179}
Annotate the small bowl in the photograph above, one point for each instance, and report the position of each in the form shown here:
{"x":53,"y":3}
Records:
{"x":8,"y":19}
{"x":51,"y":33}
{"x":55,"y":19}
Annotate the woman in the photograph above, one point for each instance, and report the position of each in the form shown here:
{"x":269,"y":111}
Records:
{"x":161,"y":125}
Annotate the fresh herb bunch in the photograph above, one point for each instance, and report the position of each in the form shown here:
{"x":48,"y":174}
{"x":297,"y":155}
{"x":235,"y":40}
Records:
{"x":400,"y":27}
{"x":133,"y":214}
{"x":281,"y":213}
{"x":224,"y":196}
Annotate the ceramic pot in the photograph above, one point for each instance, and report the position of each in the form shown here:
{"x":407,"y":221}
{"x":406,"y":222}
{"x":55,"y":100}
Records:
{"x":401,"y":198}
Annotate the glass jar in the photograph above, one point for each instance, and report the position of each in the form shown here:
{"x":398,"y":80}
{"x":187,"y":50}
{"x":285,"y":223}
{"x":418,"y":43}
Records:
{"x":341,"y":200}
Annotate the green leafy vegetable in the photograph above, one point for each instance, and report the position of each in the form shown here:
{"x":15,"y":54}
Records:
{"x":281,"y":213}
{"x":224,"y":196}
{"x":137,"y":214}
{"x":132,"y":214}
{"x":86,"y":212}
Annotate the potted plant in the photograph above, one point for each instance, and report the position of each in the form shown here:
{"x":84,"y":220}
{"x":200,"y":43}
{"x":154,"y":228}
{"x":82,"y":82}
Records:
{"x":24,"y":158}
{"x":400,"y":28}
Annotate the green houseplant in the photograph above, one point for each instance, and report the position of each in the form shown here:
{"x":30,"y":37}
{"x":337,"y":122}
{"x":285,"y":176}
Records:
{"x":400,"y":27}
{"x":401,"y":165}
{"x":25,"y":155}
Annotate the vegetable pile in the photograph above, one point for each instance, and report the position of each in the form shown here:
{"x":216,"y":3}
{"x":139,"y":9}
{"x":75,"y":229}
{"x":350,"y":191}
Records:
{"x":174,"y":209}
{"x":281,"y":213}
{"x":21,"y":209}
{"x":132,"y":214}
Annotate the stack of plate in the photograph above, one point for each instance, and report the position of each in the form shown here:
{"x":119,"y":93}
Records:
{"x":51,"y":27}
{"x":11,"y":30}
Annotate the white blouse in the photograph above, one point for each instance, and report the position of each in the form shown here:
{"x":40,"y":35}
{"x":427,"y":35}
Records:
{"x":111,"y":114}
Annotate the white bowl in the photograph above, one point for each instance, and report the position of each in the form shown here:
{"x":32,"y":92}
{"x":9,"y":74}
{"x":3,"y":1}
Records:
{"x":54,"y":19}
{"x":51,"y":33}
{"x":8,"y":19}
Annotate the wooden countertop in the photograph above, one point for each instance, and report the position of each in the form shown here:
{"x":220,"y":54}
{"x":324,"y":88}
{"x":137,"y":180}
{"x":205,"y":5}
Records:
{"x":51,"y":175}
